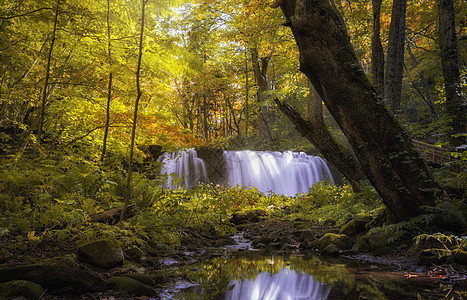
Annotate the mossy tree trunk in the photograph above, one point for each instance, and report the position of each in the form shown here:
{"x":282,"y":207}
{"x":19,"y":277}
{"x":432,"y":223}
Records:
{"x":383,"y":149}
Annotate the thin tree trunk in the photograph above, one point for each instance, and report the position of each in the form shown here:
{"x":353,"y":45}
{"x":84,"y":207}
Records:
{"x":247,"y":95}
{"x":109,"y":88}
{"x":455,"y":105}
{"x":135,"y":115}
{"x":377,"y":52}
{"x":382,"y":147}
{"x":395,"y":56}
{"x":47,"y":75}
{"x":316,"y":132}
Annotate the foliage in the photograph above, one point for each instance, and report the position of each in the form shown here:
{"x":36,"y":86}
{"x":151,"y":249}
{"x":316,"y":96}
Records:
{"x":330,"y":204}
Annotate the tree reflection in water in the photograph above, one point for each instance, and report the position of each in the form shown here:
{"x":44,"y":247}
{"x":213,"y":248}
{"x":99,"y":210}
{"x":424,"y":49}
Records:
{"x":285,"y":285}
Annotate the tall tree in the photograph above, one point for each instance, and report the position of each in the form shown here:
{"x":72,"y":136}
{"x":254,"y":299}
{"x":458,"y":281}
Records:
{"x":109,"y":86}
{"x":377,"y":52}
{"x":395,"y":56}
{"x":139,"y":92}
{"x":383,"y":149}
{"x":45,"y":89}
{"x":455,"y":98}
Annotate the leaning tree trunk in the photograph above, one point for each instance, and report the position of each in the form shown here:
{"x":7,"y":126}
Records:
{"x":395,"y":56}
{"x":317,"y":133}
{"x":384,"y":150}
{"x":450,"y":62}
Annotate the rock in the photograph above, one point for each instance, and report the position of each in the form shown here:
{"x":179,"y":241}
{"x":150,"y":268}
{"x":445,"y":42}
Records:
{"x":460,"y":256}
{"x":341,"y":241}
{"x":245,"y":217}
{"x":260,"y":246}
{"x":56,"y":274}
{"x":103,"y":254}
{"x":307,"y":235}
{"x":143,"y":278}
{"x":330,"y":250}
{"x":428,"y":257}
{"x":152,"y":262}
{"x":20,"y":288}
{"x":266,"y":240}
{"x":377,"y":240}
{"x":130,"y":286}
{"x":134,"y":254}
{"x":356,"y":225}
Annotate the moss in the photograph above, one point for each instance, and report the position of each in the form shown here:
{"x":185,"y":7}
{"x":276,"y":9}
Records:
{"x":341,"y":241}
{"x":130,"y":286}
{"x":20,"y":288}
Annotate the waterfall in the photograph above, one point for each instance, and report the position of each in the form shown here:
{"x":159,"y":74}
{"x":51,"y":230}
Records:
{"x":285,"y":285}
{"x":287,"y":173}
{"x":183,"y":169}
{"x":284,"y":173}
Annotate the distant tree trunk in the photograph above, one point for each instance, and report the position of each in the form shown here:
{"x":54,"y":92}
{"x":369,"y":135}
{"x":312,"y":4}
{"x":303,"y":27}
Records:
{"x":455,"y":105}
{"x":395,"y":56}
{"x":260,"y":70}
{"x":316,"y":132}
{"x":135,"y":114}
{"x":377,"y":52}
{"x":382,"y":147}
{"x":247,"y":94}
{"x":109,"y":88}
{"x":47,"y":75}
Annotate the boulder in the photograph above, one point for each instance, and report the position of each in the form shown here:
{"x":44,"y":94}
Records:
{"x":134,"y":254}
{"x":356,"y":225}
{"x":372,"y":241}
{"x":143,"y":278}
{"x":244,"y":217}
{"x":56,"y":274}
{"x":130,"y":286}
{"x":330,"y":250}
{"x":103,"y":254}
{"x":340,"y":241}
{"x":20,"y":288}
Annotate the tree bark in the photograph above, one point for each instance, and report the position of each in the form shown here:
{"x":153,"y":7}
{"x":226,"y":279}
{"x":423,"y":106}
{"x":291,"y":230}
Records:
{"x":135,"y":115}
{"x":395,"y":56}
{"x":455,"y":105}
{"x":47,"y":75}
{"x":377,"y":52}
{"x":316,"y":132}
{"x":382,"y":147}
{"x":109,"y":87}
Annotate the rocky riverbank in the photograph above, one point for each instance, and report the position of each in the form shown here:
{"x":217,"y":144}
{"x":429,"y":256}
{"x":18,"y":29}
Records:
{"x":103,"y":270}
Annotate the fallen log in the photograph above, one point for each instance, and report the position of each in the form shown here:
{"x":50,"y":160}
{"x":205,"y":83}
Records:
{"x":112,"y":216}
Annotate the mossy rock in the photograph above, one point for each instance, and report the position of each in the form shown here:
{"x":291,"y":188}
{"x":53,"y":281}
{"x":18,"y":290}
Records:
{"x":56,"y":274}
{"x":356,"y":225}
{"x":330,"y":250}
{"x":20,"y":288}
{"x":143,"y":278}
{"x":103,"y":254}
{"x":245,"y":217}
{"x":428,"y":257}
{"x":134,"y":254}
{"x":130,"y":286}
{"x":373,"y":242}
{"x":341,"y":241}
{"x":460,"y":256}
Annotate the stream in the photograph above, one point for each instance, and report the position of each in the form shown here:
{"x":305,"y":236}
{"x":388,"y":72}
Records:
{"x":254,"y":275}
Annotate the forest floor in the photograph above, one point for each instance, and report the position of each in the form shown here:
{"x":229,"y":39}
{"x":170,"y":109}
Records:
{"x":281,"y":237}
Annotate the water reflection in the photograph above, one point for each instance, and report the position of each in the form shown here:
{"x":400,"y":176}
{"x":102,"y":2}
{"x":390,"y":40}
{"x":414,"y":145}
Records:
{"x":285,"y":285}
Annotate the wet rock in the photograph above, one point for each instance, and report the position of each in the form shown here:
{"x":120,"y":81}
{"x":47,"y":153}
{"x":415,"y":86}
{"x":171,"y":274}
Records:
{"x":244,"y":217}
{"x":20,"y":288}
{"x":260,"y":246}
{"x":372,"y":241}
{"x":341,"y":241}
{"x":460,"y":256}
{"x":103,"y":254}
{"x":129,"y":286}
{"x":56,"y":274}
{"x":330,"y":250}
{"x":134,"y":254}
{"x":428,"y":257}
{"x":143,"y":278}
{"x":307,"y":235}
{"x":266,"y":240}
{"x":356,"y":225}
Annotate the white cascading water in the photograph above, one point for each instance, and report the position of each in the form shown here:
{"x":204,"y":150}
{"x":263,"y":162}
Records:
{"x":285,"y":285}
{"x":283,"y":173}
{"x":183,"y":169}
{"x":286,"y":173}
